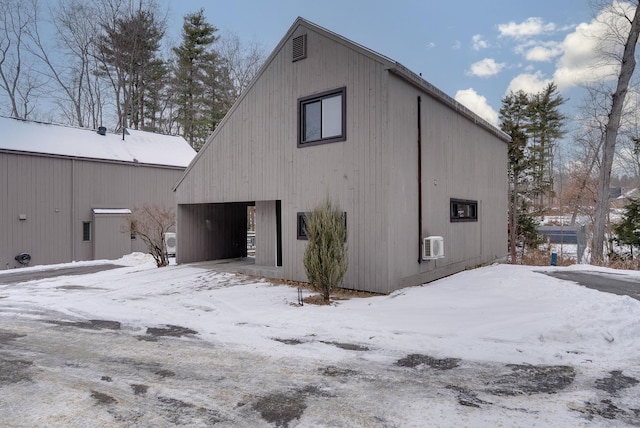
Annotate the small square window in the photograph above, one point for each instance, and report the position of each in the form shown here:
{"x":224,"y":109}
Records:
{"x":86,"y":231}
{"x":463,"y":210}
{"x":322,"y":118}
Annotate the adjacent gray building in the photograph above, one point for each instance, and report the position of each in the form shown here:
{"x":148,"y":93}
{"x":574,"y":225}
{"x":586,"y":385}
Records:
{"x":65,"y":192}
{"x":422,"y":180}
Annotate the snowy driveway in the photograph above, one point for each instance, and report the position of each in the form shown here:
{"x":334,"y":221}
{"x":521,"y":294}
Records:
{"x":100,"y":376}
{"x":184,"y":346}
{"x":22,"y":275}
{"x":611,"y":283}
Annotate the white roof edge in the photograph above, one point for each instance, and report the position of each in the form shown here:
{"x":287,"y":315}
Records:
{"x":111,"y":211}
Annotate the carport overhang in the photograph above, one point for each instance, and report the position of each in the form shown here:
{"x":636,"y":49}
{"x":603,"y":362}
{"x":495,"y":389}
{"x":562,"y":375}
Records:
{"x":212,"y":231}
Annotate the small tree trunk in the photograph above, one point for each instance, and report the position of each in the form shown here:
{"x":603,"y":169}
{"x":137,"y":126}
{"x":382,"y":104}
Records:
{"x":513,"y":226}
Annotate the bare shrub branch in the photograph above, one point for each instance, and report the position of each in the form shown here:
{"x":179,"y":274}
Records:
{"x":150,"y":223}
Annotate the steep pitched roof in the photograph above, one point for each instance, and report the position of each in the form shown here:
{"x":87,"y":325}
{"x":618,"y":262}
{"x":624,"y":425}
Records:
{"x":401,"y":71}
{"x":58,"y":140}
{"x":393,"y":67}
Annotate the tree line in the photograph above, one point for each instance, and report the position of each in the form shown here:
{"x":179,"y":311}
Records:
{"x":108,"y":63}
{"x":605,"y":139}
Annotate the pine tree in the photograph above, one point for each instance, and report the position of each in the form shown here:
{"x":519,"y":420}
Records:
{"x":545,"y":128}
{"x":128,"y":51}
{"x":155,"y":85}
{"x":627,"y":232}
{"x":514,"y":120}
{"x":198,"y":80}
{"x":534,"y":124}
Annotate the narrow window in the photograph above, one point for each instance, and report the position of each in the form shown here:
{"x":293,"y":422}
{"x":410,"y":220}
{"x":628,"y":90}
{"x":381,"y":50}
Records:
{"x":134,"y":231}
{"x":302,"y":226}
{"x":86,"y":231}
{"x":322,"y":118}
{"x":463,"y":210}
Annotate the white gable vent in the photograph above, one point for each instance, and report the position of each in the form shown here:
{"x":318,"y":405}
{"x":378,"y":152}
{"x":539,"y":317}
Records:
{"x":433,"y":248}
{"x":299,"y":47}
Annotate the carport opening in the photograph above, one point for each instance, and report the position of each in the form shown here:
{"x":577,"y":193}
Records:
{"x":217,"y":231}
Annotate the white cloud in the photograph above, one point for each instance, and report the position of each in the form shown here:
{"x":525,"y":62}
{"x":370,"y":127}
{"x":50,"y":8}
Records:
{"x":528,"y":28}
{"x":479,"y":42}
{"x":581,"y":62}
{"x":431,"y":45}
{"x":540,"y":51}
{"x":457,"y":44}
{"x":477,"y":104}
{"x":530,"y":83}
{"x":486,"y":67}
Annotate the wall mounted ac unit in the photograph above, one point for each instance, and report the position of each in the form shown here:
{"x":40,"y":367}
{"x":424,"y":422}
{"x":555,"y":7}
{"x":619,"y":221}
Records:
{"x":433,"y":248}
{"x":171,"y":243}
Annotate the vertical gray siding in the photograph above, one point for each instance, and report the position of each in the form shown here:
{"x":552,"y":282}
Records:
{"x":38,"y":188}
{"x":253,"y":156}
{"x":110,"y":185}
{"x":266,"y":233}
{"x":111,"y":236}
{"x":57,"y":194}
{"x":460,"y":160}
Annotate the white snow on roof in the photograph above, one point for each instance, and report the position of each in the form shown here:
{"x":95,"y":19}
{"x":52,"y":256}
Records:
{"x":111,"y":211}
{"x":630,"y":194}
{"x":139,"y":146}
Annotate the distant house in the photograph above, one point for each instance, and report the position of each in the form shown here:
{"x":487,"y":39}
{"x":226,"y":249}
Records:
{"x":422,"y":180}
{"x":622,"y":198}
{"x":65,"y":192}
{"x":566,"y":235}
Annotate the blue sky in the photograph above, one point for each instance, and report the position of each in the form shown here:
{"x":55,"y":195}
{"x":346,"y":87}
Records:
{"x":475,"y":51}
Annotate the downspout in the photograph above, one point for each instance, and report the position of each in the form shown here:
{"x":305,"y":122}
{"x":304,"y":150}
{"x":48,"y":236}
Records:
{"x":419,"y":179}
{"x":73,"y":211}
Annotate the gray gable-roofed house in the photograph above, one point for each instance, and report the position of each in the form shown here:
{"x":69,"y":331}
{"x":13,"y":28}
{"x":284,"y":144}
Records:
{"x":65,"y":192}
{"x":422,"y":180}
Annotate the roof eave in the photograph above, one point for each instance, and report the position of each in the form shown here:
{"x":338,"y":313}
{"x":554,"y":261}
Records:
{"x":412,"y":78}
{"x":91,"y":159}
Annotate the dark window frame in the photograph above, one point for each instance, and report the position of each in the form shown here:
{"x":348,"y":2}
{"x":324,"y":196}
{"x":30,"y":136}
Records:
{"x":86,"y":231}
{"x":454,"y":210}
{"x":302,"y":102}
{"x":301,"y":224}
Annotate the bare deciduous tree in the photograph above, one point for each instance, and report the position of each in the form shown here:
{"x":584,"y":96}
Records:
{"x":242,"y":61}
{"x":627,"y":68}
{"x":72,"y":68}
{"x":17,"y":79}
{"x":150,"y":223}
{"x":588,"y":140}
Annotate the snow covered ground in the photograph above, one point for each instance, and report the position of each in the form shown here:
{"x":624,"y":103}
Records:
{"x":511,"y":316}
